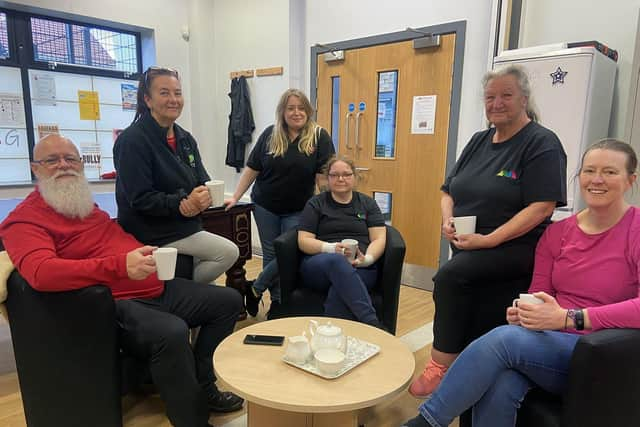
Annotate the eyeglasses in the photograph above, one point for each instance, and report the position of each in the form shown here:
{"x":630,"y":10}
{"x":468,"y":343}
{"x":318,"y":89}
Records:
{"x":51,"y":162}
{"x":160,"y":71}
{"x":341,"y":175}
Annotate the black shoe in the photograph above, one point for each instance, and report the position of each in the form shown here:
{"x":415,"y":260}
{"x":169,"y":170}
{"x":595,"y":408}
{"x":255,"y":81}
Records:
{"x":274,"y":311}
{"x":252,"y":302}
{"x":418,"y":421}
{"x":225,"y":401}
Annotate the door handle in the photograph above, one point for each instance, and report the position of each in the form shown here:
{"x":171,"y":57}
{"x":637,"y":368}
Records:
{"x":346,"y":132}
{"x":357,"y":132}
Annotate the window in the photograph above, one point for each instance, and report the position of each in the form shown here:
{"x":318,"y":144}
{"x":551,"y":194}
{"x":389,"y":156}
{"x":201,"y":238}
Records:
{"x":4,"y":37}
{"x":73,"y":44}
{"x":74,"y":79}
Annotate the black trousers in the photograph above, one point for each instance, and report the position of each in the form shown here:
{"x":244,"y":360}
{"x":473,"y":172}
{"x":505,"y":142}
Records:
{"x":157,"y":330}
{"x":474,"y":288}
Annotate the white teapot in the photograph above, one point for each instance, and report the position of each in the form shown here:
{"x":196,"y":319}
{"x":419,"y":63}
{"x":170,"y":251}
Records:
{"x":326,"y":336}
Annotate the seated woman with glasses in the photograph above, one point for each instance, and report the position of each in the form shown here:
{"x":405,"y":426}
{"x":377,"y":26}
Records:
{"x":160,"y":188}
{"x":330,"y":265}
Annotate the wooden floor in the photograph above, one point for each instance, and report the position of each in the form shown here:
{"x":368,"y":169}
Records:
{"x":416,"y":309}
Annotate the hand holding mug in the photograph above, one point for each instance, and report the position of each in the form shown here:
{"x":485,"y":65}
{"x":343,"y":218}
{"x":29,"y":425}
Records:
{"x":140,"y":263}
{"x":448,"y":229}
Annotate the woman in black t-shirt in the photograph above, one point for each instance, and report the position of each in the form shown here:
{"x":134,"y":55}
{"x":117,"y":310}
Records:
{"x":285,"y":165}
{"x":511,"y":177}
{"x":328,"y":219}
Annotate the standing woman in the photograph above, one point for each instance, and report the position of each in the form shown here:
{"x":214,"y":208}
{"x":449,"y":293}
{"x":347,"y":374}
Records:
{"x":285,"y":164}
{"x":160,"y":180}
{"x":511,"y":177}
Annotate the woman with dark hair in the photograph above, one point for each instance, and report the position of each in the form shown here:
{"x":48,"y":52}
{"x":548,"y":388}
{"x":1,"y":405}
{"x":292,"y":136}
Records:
{"x":284,"y":167}
{"x":510,"y":176}
{"x":331,"y":266}
{"x":160,"y":179}
{"x":587,"y":278}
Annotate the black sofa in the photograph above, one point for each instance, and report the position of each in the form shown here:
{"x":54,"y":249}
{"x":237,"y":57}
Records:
{"x":300,"y":301}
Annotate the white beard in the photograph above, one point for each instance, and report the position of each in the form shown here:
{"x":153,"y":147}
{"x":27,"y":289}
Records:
{"x":70,"y":197}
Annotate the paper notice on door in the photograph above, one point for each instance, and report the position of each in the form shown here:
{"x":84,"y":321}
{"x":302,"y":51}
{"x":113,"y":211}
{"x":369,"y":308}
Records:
{"x":47,"y":129}
{"x":423,"y":115}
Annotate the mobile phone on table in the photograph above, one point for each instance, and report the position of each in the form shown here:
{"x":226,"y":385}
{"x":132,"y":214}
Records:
{"x":264,"y":339}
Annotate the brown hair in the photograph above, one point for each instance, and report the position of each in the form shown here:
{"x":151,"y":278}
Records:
{"x":144,"y":85}
{"x":615,"y":145}
{"x":338,"y":158}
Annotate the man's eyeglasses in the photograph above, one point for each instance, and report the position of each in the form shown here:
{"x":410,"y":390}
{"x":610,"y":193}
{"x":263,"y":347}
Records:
{"x":51,"y":162}
{"x":159,"y":71}
{"x":340,"y":175}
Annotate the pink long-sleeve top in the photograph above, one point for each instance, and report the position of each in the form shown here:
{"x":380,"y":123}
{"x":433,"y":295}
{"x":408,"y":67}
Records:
{"x":597,"y":272}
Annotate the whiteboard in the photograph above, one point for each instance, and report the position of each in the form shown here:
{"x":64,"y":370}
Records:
{"x":14,"y":146}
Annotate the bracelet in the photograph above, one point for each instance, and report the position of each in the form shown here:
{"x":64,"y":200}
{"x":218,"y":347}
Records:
{"x":577,"y":315}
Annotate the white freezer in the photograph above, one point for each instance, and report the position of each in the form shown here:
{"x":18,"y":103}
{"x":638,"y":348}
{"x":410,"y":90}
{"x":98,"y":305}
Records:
{"x":573,"y":92}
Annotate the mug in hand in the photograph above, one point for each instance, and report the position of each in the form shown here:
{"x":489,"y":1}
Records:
{"x":352,"y":247}
{"x":465,"y":224}
{"x":527,"y":298}
{"x":216,"y":191}
{"x":165,"y":259}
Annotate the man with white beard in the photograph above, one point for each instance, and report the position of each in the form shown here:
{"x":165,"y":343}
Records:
{"x":59,"y":240}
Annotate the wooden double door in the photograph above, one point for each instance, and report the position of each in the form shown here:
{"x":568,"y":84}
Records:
{"x":388,"y":107}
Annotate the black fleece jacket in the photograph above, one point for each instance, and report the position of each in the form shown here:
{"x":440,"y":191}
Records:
{"x":151,"y":181}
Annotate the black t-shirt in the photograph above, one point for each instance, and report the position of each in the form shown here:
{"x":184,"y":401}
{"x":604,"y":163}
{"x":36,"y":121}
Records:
{"x":285,"y":183}
{"x":496,"y":181}
{"x":331,"y":221}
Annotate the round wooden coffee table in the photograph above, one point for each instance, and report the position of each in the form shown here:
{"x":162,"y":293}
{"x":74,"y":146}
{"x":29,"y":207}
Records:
{"x":282,"y":395}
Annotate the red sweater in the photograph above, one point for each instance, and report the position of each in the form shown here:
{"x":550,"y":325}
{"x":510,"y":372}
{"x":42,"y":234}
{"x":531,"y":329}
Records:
{"x":56,"y":253}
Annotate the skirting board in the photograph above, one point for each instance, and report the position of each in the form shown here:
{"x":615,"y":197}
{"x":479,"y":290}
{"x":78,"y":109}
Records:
{"x":418,"y":276}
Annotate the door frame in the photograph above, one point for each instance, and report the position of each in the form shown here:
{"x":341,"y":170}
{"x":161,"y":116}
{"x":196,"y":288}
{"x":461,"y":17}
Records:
{"x":456,"y":27}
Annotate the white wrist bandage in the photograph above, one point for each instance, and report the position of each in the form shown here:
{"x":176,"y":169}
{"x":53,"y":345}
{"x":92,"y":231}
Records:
{"x":368,"y":260}
{"x":328,"y":248}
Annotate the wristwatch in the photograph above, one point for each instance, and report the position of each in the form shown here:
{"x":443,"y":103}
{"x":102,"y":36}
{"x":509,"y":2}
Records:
{"x":577,"y":315}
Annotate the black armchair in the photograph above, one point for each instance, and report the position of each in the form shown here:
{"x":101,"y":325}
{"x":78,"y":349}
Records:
{"x":604,"y":385}
{"x":603,"y":389}
{"x":70,"y":366}
{"x":300,"y":301}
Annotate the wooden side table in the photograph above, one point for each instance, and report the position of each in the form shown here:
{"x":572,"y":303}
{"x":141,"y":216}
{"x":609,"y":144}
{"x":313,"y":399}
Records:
{"x":235,"y":225}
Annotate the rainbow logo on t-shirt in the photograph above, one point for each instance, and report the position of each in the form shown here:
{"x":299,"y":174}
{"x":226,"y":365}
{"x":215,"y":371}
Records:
{"x":509,"y":174}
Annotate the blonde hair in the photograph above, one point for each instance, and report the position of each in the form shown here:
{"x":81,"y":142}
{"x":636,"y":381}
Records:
{"x":279,"y":141}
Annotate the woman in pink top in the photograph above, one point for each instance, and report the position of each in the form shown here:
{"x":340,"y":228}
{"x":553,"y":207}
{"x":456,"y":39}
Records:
{"x":587,"y":276}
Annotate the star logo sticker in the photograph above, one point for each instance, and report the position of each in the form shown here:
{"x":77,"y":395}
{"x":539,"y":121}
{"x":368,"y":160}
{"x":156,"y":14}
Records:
{"x":558,"y":76}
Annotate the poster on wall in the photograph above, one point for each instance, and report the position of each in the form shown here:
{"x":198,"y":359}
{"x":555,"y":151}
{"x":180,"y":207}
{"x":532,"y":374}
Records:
{"x":91,"y":154}
{"x":11,"y":110}
{"x":129,"y":96}
{"x":89,"y":105}
{"x":423,"y":115}
{"x":47,"y":129}
{"x":43,"y":89}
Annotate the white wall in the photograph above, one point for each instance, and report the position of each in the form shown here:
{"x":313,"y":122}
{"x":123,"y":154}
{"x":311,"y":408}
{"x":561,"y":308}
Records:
{"x":613,"y":23}
{"x":331,"y":21}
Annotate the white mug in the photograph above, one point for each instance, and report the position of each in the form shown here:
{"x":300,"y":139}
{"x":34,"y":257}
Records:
{"x":465,"y":224}
{"x":165,"y":259}
{"x":527,"y":298}
{"x":216,"y":191}
{"x":352,"y":246}
{"x":329,"y":360}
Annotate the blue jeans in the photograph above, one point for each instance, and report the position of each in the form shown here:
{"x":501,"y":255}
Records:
{"x":495,"y":372}
{"x":348,"y":287}
{"x":270,"y":226}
